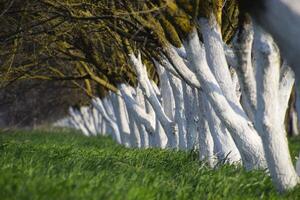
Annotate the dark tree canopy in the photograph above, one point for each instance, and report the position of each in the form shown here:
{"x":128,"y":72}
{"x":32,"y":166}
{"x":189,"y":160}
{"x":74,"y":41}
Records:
{"x":85,"y":43}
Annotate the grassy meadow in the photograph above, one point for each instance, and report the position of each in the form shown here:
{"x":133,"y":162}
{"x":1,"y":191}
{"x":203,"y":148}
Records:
{"x":62,"y":164}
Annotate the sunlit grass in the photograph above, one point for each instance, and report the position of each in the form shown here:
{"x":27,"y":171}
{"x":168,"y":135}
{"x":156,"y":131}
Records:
{"x":67,"y":165}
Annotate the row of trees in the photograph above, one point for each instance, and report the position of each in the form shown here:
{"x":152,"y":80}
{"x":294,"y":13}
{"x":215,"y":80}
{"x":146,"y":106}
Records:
{"x":241,"y":111}
{"x":222,"y":83}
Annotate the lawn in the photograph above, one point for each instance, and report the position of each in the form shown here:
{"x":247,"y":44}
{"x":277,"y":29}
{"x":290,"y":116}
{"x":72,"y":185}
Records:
{"x":66,"y":165}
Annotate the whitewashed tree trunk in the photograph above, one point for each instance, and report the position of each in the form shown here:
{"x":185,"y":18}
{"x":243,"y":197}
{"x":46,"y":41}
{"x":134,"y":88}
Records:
{"x":144,"y":132}
{"x":192,"y":115}
{"x":179,"y":117}
{"x":286,"y":83}
{"x":94,"y":120}
{"x":268,"y":113}
{"x":224,"y":146}
{"x":294,"y":122}
{"x":107,"y":104}
{"x":108,"y":118}
{"x":245,"y":137}
{"x":168,"y":125}
{"x":298,"y":165}
{"x":167,"y":101}
{"x":163,"y":139}
{"x":215,"y":56}
{"x":153,"y":136}
{"x":135,"y":138}
{"x":73,"y":120}
{"x":166,"y":91}
{"x":245,"y":69}
{"x":273,"y":96}
{"x":175,"y":61}
{"x":78,"y":120}
{"x":139,"y":113}
{"x":97,"y":119}
{"x":104,"y":127}
{"x":87,"y":118}
{"x":122,"y":119}
{"x":101,"y":124}
{"x":206,"y":143}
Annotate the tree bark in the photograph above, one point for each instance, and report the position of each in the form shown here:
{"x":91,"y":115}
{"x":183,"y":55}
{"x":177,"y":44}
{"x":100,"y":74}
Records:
{"x":241,"y":129}
{"x":268,"y":113}
{"x":206,"y":143}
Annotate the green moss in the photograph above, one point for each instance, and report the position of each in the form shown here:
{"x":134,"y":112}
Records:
{"x":170,"y":32}
{"x":176,"y":16}
{"x":188,"y":6}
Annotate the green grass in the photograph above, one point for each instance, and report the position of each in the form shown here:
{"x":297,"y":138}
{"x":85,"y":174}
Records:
{"x":64,"y":165}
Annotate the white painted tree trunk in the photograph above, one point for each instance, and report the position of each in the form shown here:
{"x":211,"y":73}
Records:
{"x":294,"y":122}
{"x":78,"y":120}
{"x":105,"y":129}
{"x":178,"y":63}
{"x":139,"y":113}
{"x":107,"y":104}
{"x":87,"y":118}
{"x":101,"y":125}
{"x":144,"y":132}
{"x":163,"y":139}
{"x":273,"y":96}
{"x":166,"y":91}
{"x":286,"y":83}
{"x":215,"y":56}
{"x":206,"y":143}
{"x":298,"y":165}
{"x":179,"y":117}
{"x":224,"y":146}
{"x":168,"y":125}
{"x":246,"y":139}
{"x":153,"y":136}
{"x":245,"y":69}
{"x":268,"y":113}
{"x":97,"y":119}
{"x":97,"y":103}
{"x":135,"y":137}
{"x":192,"y":116}
{"x":122,"y":119}
{"x":167,"y":100}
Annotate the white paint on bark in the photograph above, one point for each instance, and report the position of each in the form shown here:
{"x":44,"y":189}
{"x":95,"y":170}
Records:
{"x":268,"y":113}
{"x":242,"y":131}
